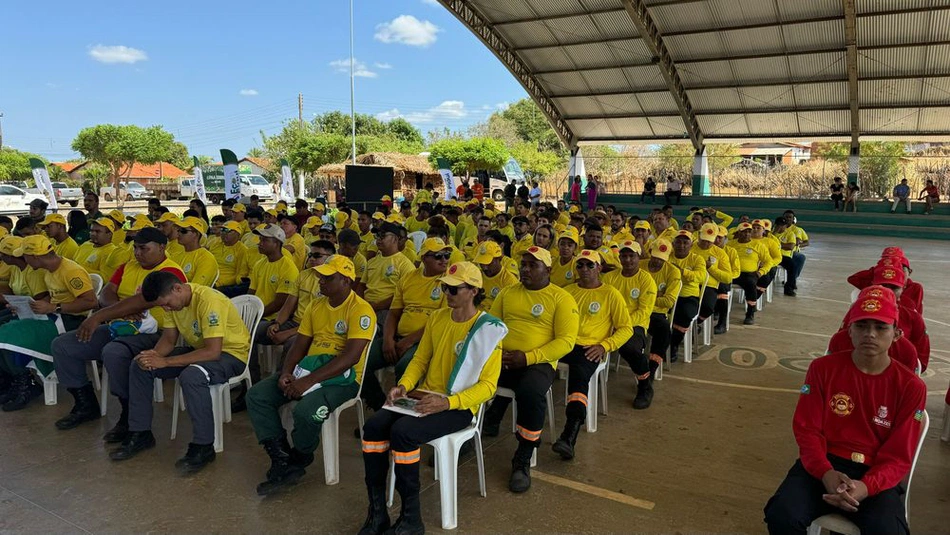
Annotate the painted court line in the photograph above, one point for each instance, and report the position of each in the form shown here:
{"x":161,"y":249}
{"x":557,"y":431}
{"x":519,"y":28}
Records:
{"x":819,"y":335}
{"x":594,"y":491}
{"x":733,"y":385}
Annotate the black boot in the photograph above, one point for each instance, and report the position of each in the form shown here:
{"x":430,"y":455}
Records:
{"x":410,"y":514}
{"x":520,"y":480}
{"x":749,"y":315}
{"x":240,"y":403}
{"x":493,"y":416}
{"x":282,"y":472}
{"x":197,"y":457}
{"x":85,"y":409}
{"x":6,"y":381}
{"x":644,"y":392}
{"x":301,"y":459}
{"x":135,"y":442}
{"x":120,"y":431}
{"x":377,"y":516}
{"x":565,"y":444}
{"x":25,"y":389}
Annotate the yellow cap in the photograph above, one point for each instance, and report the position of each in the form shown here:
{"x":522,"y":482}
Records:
{"x":337,"y":264}
{"x":139,"y":224}
{"x":194,"y":223}
{"x":271,"y":211}
{"x":487,"y":251}
{"x":395,"y":218}
{"x":744,"y":226}
{"x":168,"y":216}
{"x":489,"y":202}
{"x":233,"y":226}
{"x":4,"y":231}
{"x":9,"y":245}
{"x":767,"y":223}
{"x":569,"y":234}
{"x":708,"y":232}
{"x":462,"y":273}
{"x":35,"y":245}
{"x":52,"y":218}
{"x":238,"y":207}
{"x":319,"y":206}
{"x":117,"y":215}
{"x":386,"y":198}
{"x":573,"y":209}
{"x":683,"y":234}
{"x":432,"y":245}
{"x":631,"y":245}
{"x":341,"y":218}
{"x":642,"y":224}
{"x":758,"y":222}
{"x":541,"y":254}
{"x":661,"y":249}
{"x":379,"y":216}
{"x":106,"y":222}
{"x":313,"y":221}
{"x":722,"y":231}
{"x":588,"y":254}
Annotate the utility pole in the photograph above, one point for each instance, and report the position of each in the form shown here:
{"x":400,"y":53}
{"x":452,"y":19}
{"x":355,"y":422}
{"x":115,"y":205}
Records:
{"x":301,"y":183}
{"x":352,"y":87}
{"x":300,"y":107}
{"x":1,"y":129}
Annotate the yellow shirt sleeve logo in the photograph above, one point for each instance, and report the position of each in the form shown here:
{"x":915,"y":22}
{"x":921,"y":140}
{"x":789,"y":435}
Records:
{"x":76,"y":283}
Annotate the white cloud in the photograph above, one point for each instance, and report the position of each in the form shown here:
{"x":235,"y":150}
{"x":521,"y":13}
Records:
{"x":503,"y":105}
{"x":382,"y":65}
{"x":117,"y":54}
{"x":447,"y":111}
{"x":432,"y":3}
{"x":407,"y":30}
{"x":248,"y":92}
{"x":359,"y":68}
{"x":50,"y":85}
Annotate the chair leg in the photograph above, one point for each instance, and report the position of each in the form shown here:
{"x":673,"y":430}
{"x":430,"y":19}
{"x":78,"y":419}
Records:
{"x":593,"y":392}
{"x":176,"y":405}
{"x":534,"y":458}
{"x":95,"y":376}
{"x":814,"y":529}
{"x":392,"y":481}
{"x":104,"y":393}
{"x":330,"y":436}
{"x":50,"y":385}
{"x":447,"y":461}
{"x":216,"y":397}
{"x":768,"y":293}
{"x":728,"y":312}
{"x":158,"y":392}
{"x":360,"y":415}
{"x":945,"y":436}
{"x":688,"y":342}
{"x":480,"y":461}
{"x":603,"y":392}
{"x":551,"y":415}
{"x":514,"y":416}
{"x":707,"y":331}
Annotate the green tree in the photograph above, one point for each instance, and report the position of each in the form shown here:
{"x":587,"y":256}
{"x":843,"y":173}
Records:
{"x":180,"y":157}
{"x":118,"y":147}
{"x":677,"y":158}
{"x":532,"y":125}
{"x":537,"y":163}
{"x":15,"y":165}
{"x":879,"y":164}
{"x":469,"y":155}
{"x":256,"y":152}
{"x":403,"y":130}
{"x":306,"y":147}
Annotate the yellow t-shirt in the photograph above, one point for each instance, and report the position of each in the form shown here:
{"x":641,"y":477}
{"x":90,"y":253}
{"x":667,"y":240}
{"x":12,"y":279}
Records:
{"x":67,"y":283}
{"x":300,"y":249}
{"x":414,"y":225}
{"x":199,"y":266}
{"x":306,"y":288}
{"x":27,"y":281}
{"x":210,"y":314}
{"x":99,"y":260}
{"x":118,"y":237}
{"x":382,"y":273}
{"x":365,"y":241}
{"x":232,"y":262}
{"x":66,"y":248}
{"x":562,"y":275}
{"x":359,"y":263}
{"x":434,"y":362}
{"x":721,"y":269}
{"x":271,"y":278}
{"x":331,"y":327}
{"x":638,"y":291}
{"x":734,"y":263}
{"x":668,"y":284}
{"x":251,"y":241}
{"x":418,"y":296}
{"x":774,"y":249}
{"x":692,"y":273}
{"x":508,"y":230}
{"x":787,"y":237}
{"x":174,"y":250}
{"x":4,"y":272}
{"x":545,"y":321}
{"x":604,"y":315}
{"x":494,"y":285}
{"x":751,"y":255}
{"x":132,"y":274}
{"x":409,"y":251}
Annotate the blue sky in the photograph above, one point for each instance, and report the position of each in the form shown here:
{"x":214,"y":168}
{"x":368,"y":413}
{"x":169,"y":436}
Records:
{"x":215,"y":73}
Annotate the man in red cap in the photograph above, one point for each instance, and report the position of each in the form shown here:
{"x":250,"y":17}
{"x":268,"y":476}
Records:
{"x":857,"y":424}
{"x":910,"y":322}
{"x":913,"y":294}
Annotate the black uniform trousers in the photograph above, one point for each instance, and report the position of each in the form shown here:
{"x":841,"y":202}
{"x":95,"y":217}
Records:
{"x":580,"y":370}
{"x":659,"y":335}
{"x":632,"y":351}
{"x":531,"y":385}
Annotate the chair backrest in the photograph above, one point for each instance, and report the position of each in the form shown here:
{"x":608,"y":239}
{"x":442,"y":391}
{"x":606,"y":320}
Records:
{"x":97,"y":283}
{"x":924,"y":426}
{"x":365,"y":358}
{"x":217,"y":275}
{"x":251,"y":309}
{"x":417,"y":238}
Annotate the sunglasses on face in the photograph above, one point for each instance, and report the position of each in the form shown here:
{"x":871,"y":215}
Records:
{"x":440,"y":256}
{"x":452,"y":290}
{"x":585,"y":265}
{"x":317,"y":255}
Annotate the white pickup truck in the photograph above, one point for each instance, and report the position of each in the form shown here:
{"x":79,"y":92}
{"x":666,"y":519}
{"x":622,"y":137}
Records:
{"x":64,"y":194}
{"x":131,"y":191}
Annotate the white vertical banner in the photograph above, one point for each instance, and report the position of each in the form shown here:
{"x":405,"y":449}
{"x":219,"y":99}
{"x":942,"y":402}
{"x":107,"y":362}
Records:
{"x":286,"y":182}
{"x":43,"y":183}
{"x":448,"y":181}
{"x":200,"y":183}
{"x":232,"y":180}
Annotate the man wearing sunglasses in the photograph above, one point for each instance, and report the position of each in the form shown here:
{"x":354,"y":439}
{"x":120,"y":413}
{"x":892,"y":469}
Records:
{"x":607,"y":326}
{"x":197,"y":262}
{"x":545,"y":319}
{"x":232,"y":257}
{"x":418,"y":294}
{"x":523,"y":238}
{"x":494,"y":277}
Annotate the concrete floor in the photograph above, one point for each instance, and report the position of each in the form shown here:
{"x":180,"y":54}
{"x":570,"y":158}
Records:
{"x":704,"y":458}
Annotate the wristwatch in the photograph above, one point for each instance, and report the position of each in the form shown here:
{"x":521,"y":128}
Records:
{"x":59,"y":309}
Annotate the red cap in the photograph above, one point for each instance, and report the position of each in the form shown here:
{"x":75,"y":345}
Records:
{"x":875,"y":303}
{"x":892,"y":251}
{"x":888,"y":272}
{"x":895,"y":253}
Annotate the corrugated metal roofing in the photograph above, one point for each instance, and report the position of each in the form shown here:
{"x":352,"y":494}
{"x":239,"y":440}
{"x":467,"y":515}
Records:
{"x":750,"y":69}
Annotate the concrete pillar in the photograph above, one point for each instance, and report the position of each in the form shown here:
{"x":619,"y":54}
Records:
{"x":854,"y":160}
{"x":701,"y":173}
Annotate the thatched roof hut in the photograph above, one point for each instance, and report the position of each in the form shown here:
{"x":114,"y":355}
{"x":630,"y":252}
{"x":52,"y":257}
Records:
{"x":409,"y":170}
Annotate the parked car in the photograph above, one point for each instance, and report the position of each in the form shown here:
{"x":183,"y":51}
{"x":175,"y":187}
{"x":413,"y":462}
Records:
{"x":15,"y":201}
{"x":250,"y":185}
{"x":131,"y":191}
{"x":66,"y":194}
{"x":181,"y":189}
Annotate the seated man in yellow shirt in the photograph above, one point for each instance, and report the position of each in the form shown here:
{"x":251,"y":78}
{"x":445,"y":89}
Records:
{"x":544,"y":321}
{"x":752,"y":261}
{"x":495,"y":278}
{"x":232,"y":257}
{"x":322,"y":371}
{"x":448,"y":399}
{"x":693,"y":296}
{"x":668,"y":284}
{"x":216,"y":349}
{"x":607,"y":326}
{"x":718,"y":267}
{"x":197,"y":262}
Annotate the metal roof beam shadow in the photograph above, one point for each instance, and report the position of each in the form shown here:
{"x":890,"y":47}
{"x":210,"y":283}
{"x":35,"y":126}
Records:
{"x":851,"y":56}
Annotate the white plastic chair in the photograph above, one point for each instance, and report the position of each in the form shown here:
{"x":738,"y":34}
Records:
{"x":509,"y":393}
{"x":945,"y":436}
{"x":97,"y":283}
{"x":839,"y":524}
{"x":854,"y":294}
{"x":330,"y":432}
{"x":781,"y":275}
{"x":447,"y":450}
{"x":251,"y":308}
{"x":417,"y":238}
{"x":691,"y":330}
{"x":596,"y":389}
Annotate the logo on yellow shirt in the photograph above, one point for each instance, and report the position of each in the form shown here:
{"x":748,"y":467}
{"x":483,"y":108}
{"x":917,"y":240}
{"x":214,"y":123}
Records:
{"x":436,"y":293}
{"x":748,"y":250}
{"x":196,"y":329}
{"x":458,"y":347}
{"x":537,"y":310}
{"x":569,"y":275}
{"x":841,"y":404}
{"x":494,"y":292}
{"x":187,"y":268}
{"x":635,"y":293}
{"x":273,"y":279}
{"x":92,"y":258}
{"x":661,"y":287}
{"x":340,"y":327}
{"x":390,"y":270}
{"x":229,"y":258}
{"x":213,"y":319}
{"x":594,"y":308}
{"x":76,"y":283}
{"x":364,"y":322}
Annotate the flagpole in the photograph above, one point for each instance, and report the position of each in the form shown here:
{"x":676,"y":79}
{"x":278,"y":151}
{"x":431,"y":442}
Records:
{"x":352,"y":87}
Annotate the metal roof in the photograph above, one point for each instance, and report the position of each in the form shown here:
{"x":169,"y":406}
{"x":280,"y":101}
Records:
{"x":628,"y":71}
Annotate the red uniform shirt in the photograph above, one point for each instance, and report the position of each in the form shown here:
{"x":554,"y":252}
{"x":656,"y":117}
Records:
{"x":901,"y":350}
{"x":871,"y":419}
{"x":912,"y":324}
{"x":912,"y":296}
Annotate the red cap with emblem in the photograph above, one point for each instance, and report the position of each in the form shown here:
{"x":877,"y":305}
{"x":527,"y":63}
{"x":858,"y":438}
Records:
{"x":875,"y":303}
{"x":888,"y":272}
